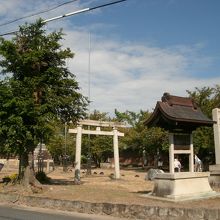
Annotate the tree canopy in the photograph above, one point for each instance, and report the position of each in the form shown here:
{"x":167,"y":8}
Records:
{"x":142,"y":141}
{"x":37,"y":88}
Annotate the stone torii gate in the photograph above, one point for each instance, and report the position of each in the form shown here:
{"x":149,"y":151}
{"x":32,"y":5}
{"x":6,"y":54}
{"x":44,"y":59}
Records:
{"x":98,"y":124}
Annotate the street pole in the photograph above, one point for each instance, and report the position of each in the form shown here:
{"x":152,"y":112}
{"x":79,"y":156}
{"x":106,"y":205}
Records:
{"x":65,"y":145}
{"x":89,"y":156}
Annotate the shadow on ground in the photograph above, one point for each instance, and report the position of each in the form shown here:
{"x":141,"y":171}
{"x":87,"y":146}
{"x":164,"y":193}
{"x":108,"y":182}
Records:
{"x":142,"y":192}
{"x":61,"y":182}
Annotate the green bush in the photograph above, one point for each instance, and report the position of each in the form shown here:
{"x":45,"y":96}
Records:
{"x":14,"y":177}
{"x":84,"y":159}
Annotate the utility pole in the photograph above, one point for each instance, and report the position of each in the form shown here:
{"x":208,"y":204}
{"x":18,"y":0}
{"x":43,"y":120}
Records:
{"x":89,"y":157}
{"x":65,"y":150}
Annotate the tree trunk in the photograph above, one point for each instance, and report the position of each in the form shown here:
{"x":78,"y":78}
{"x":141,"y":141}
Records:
{"x":26,"y":171}
{"x":99,"y":163}
{"x":23,"y":163}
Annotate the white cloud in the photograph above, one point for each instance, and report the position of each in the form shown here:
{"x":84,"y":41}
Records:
{"x":131,"y":76}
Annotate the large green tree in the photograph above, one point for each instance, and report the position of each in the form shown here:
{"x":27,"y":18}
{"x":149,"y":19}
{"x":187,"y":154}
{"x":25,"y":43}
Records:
{"x":207,"y":98}
{"x":38,"y":88}
{"x":139,"y":140}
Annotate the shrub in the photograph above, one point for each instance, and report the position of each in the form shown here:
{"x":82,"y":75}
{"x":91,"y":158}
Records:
{"x":14,"y":177}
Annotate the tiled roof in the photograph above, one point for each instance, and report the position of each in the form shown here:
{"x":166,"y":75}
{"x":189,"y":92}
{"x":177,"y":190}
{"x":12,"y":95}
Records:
{"x":178,"y":112}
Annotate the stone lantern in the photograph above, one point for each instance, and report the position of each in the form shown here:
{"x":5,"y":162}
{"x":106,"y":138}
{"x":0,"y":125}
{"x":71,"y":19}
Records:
{"x":180,"y":116}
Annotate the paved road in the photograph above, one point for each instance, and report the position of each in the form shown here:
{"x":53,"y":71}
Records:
{"x":27,"y":213}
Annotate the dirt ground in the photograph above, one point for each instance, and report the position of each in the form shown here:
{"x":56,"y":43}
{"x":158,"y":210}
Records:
{"x":100,"y":187}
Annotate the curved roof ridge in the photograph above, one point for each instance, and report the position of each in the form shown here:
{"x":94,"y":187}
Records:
{"x":177,"y":100}
{"x":175,"y":112}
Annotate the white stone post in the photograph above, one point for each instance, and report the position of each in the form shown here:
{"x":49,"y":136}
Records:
{"x":78,"y":152}
{"x":191,"y":155}
{"x":171,"y":153}
{"x":216,"y":117}
{"x":116,"y":153}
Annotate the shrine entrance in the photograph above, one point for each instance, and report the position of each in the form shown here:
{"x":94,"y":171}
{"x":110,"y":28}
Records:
{"x":79,"y":131}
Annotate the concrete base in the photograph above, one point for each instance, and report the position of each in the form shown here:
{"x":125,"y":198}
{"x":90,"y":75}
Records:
{"x":182,"y":185}
{"x":214,"y":178}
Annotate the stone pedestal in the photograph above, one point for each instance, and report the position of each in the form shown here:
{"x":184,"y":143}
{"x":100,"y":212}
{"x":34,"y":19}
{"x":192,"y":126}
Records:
{"x":182,"y":185}
{"x":214,"y":178}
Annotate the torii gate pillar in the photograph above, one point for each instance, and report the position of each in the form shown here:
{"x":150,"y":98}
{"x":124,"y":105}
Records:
{"x":116,"y":153}
{"x":214,"y":178}
{"x":78,"y":152}
{"x":216,"y":117}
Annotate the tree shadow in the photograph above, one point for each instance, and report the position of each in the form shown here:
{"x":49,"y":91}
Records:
{"x":143,"y":192}
{"x":135,"y":169}
{"x":61,"y":182}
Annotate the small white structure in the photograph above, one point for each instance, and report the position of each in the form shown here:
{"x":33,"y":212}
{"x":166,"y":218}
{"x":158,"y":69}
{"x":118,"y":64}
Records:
{"x":215,"y":169}
{"x":98,"y":124}
{"x":43,"y":158}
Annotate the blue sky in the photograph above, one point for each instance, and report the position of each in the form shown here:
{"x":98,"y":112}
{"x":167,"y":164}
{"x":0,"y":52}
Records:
{"x":139,"y":48}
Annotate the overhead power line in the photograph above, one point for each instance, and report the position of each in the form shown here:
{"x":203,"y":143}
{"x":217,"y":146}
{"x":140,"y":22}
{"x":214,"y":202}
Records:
{"x":37,"y":13}
{"x":71,"y":14}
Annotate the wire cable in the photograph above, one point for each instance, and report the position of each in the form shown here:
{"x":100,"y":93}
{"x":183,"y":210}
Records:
{"x":37,"y":13}
{"x":71,"y":14}
{"x":82,"y":10}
